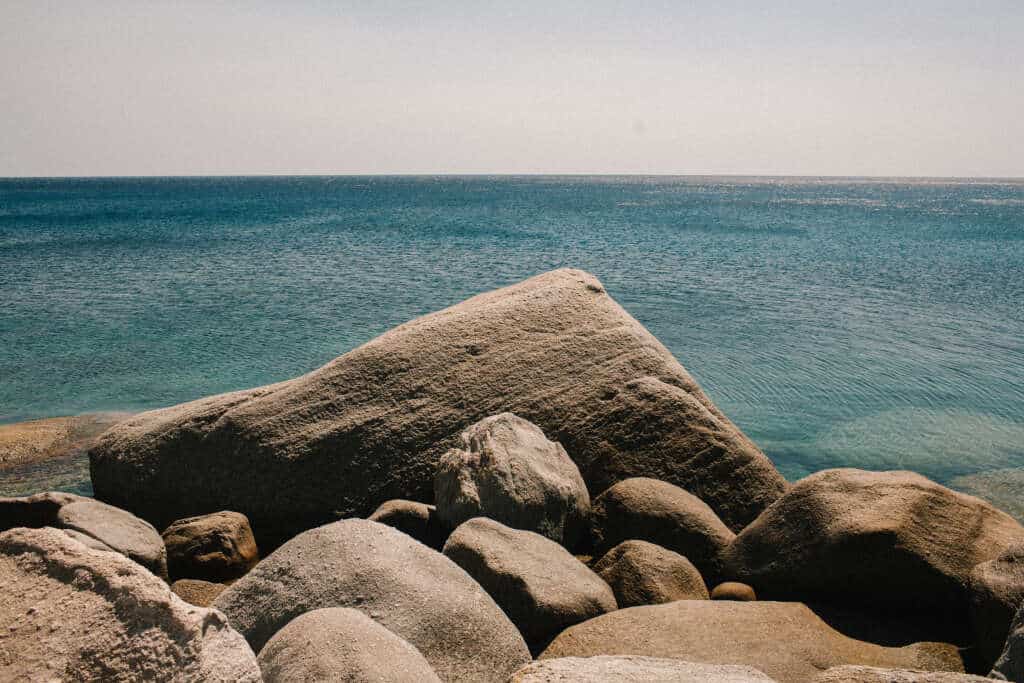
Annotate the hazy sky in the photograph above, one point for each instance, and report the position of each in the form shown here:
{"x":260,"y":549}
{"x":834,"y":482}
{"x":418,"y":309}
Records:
{"x":803,"y":87}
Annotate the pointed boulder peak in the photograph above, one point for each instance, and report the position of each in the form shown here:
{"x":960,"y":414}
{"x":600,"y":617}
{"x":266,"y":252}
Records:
{"x":371,"y":425}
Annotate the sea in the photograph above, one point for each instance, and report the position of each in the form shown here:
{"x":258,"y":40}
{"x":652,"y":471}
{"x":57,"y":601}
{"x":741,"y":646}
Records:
{"x":840,"y":322}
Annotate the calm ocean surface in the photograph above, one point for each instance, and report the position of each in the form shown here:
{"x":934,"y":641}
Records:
{"x":867,"y":323}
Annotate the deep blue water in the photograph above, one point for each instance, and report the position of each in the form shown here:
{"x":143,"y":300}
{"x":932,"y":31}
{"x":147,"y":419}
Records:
{"x":870,"y":323}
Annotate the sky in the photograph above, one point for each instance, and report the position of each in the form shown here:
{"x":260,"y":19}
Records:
{"x":775,"y":88}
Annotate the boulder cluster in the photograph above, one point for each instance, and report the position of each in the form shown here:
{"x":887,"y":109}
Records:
{"x":526,"y":487}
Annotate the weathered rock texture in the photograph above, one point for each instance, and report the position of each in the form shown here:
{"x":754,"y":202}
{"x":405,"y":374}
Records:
{"x":1010,"y":665}
{"x":787,"y":641}
{"x":663,"y":514}
{"x":870,"y":674}
{"x":641,"y":573}
{"x":37,"y":510}
{"x":197,"y":592}
{"x":418,"y":520}
{"x":626,"y":669}
{"x":542,"y":588}
{"x":894,"y":539}
{"x":215,"y":547}
{"x":72,"y":613}
{"x":509,"y":471}
{"x":996,"y":591}
{"x":371,"y":425}
{"x":413,"y":591}
{"x":341,"y":644}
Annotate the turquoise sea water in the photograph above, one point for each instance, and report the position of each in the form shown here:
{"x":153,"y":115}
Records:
{"x":868,"y":323}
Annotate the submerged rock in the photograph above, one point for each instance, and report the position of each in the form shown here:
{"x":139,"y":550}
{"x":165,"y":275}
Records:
{"x":371,"y":425}
{"x":663,"y":514}
{"x":893,"y":539}
{"x":214,"y":547}
{"x":641,"y":573}
{"x":340,"y":644}
{"x":540,"y":586}
{"x":627,"y":669}
{"x":73,"y":613}
{"x":413,"y":591}
{"x":785,"y":640}
{"x":509,"y":471}
{"x":418,"y":520}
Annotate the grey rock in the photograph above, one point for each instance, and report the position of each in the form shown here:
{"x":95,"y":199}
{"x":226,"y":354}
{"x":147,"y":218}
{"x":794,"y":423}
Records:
{"x":542,"y":588}
{"x":73,"y":613}
{"x":641,"y":573}
{"x":120,"y":530}
{"x":665,"y":515}
{"x":629,"y":669}
{"x":214,"y":547}
{"x":371,"y":425}
{"x":509,"y":471}
{"x":35,"y":511}
{"x":341,"y":644}
{"x":413,"y":591}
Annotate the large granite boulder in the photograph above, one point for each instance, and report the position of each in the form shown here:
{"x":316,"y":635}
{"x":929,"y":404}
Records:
{"x":895,"y":539}
{"x":371,"y":425}
{"x":665,"y":515}
{"x":626,"y":669}
{"x":413,"y":591}
{"x":785,"y":640}
{"x":73,"y":613}
{"x":509,"y":471}
{"x":542,"y":588}
{"x":341,"y":644}
{"x":871,"y":674}
{"x":996,"y":592}
{"x":215,"y":547}
{"x":641,"y":573}
{"x":418,"y":520}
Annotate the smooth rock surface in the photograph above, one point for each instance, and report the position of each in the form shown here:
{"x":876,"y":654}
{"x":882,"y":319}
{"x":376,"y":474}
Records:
{"x":120,"y":530}
{"x":215,"y":547}
{"x":73,"y":613}
{"x":541,"y":587}
{"x":341,"y":644}
{"x":894,"y":539}
{"x":787,"y":641}
{"x":665,"y":515}
{"x":870,"y":674}
{"x":996,"y":591}
{"x":509,"y":471}
{"x":413,"y":591}
{"x":641,"y":573}
{"x":418,"y":520}
{"x":371,"y":425}
{"x":627,"y":669}
{"x":197,"y":592}
{"x":733,"y":590}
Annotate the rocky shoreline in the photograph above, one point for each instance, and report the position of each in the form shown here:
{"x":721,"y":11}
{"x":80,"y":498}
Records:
{"x":524,"y":487}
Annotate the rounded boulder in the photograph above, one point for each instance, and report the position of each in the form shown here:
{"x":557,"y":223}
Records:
{"x":215,"y":547}
{"x":641,"y":573}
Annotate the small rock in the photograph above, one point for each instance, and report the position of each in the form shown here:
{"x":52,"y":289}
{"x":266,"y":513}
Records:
{"x":509,"y":471}
{"x":733,"y":590}
{"x":197,"y":592}
{"x":418,"y":520}
{"x":542,"y":588}
{"x":641,"y":573}
{"x":120,"y":530}
{"x":340,"y":644}
{"x":665,"y":515}
{"x":215,"y":547}
{"x":629,"y":669}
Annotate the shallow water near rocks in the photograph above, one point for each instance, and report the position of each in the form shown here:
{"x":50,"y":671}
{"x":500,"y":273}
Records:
{"x":862,"y":323}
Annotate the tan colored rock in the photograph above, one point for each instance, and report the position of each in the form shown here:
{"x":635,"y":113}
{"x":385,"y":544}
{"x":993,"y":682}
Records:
{"x":120,"y":530}
{"x":23,"y":443}
{"x":665,"y":515}
{"x":869,"y":674}
{"x":341,"y":644}
{"x":371,"y":425}
{"x":627,"y":669}
{"x":541,"y":587}
{"x":417,"y":520}
{"x":888,"y":538}
{"x":73,"y":613}
{"x":197,"y":592}
{"x":996,"y":591}
{"x":787,"y":641}
{"x":37,"y":510}
{"x":415,"y":592}
{"x":733,"y":590}
{"x":509,"y":471}
{"x":641,"y":573}
{"x":215,"y":547}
